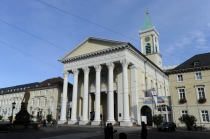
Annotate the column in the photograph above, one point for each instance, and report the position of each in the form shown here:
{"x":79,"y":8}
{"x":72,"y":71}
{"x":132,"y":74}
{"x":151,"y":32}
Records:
{"x":74,"y":98}
{"x":63,"y":105}
{"x":97,"y":96}
{"x":84,"y":119}
{"x":110,"y":94}
{"x":135,"y":93}
{"x":126,"y":118}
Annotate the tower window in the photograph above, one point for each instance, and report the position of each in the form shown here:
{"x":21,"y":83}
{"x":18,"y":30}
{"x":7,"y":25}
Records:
{"x":148,"y":48}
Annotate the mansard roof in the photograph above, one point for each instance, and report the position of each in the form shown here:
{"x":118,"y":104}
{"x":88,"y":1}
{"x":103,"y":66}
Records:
{"x":58,"y":81}
{"x":197,"y":62}
{"x":17,"y":88}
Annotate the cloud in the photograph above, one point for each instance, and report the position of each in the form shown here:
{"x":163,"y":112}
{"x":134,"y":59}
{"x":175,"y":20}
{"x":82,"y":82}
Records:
{"x":196,"y":39}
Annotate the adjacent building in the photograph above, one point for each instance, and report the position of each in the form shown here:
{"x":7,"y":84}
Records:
{"x":46,"y":97}
{"x":12,"y":94}
{"x":113,"y":80}
{"x":189,"y":87}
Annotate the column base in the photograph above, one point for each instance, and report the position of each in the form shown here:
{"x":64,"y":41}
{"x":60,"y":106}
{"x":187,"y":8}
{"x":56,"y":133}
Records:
{"x":72,"y":122}
{"x":95,"y":122}
{"x":62,"y":121}
{"x":113,"y":122}
{"x":126,"y":124}
{"x":83,"y":122}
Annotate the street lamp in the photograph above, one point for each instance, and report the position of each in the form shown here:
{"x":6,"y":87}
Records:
{"x":58,"y":109}
{"x":13,"y":106}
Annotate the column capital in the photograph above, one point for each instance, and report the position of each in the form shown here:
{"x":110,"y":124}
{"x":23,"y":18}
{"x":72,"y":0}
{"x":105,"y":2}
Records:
{"x":124,"y":62}
{"x":98,"y":67}
{"x":110,"y":65}
{"x":75,"y":71}
{"x":65,"y":73}
{"x":86,"y":70}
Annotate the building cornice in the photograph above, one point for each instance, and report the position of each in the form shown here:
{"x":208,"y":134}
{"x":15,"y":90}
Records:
{"x":187,"y":70}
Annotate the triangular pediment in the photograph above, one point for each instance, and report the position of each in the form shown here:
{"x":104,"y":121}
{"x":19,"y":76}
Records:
{"x":91,"y":45}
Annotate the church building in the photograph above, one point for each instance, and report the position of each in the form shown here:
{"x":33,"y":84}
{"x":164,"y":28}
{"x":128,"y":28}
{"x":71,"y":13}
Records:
{"x":113,"y":81}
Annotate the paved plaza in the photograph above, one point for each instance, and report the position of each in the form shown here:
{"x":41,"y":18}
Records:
{"x":96,"y":132}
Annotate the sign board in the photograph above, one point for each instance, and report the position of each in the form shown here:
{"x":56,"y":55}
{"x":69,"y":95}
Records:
{"x":144,"y":119}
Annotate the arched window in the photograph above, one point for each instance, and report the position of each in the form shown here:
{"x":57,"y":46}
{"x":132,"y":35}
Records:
{"x":148,"y":48}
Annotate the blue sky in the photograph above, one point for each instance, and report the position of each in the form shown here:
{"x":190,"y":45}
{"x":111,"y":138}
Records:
{"x":183,"y":26}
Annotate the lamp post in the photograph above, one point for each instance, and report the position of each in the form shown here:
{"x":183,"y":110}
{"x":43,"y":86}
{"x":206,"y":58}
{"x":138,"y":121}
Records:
{"x":13,"y":106}
{"x":58,"y":109}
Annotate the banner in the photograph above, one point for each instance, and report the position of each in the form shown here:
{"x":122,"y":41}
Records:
{"x":150,"y":100}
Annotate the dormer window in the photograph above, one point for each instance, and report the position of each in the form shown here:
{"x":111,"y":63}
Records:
{"x":37,"y":85}
{"x":196,"y":63}
{"x":48,"y":83}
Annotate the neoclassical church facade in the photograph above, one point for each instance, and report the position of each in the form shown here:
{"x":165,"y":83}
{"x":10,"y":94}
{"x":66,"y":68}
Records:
{"x":114,"y":80}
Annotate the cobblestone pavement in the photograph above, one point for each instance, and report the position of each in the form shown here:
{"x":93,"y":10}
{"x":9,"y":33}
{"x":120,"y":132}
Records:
{"x":95,"y":132}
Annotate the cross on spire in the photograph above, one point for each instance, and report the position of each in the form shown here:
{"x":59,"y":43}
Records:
{"x":147,"y":11}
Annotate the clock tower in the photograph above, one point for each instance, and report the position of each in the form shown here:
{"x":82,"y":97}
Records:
{"x":150,"y":42}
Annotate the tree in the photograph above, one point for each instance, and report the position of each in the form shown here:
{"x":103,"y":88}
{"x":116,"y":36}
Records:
{"x":188,"y":120}
{"x":49,"y":118}
{"x":1,"y":117}
{"x":157,"y":119}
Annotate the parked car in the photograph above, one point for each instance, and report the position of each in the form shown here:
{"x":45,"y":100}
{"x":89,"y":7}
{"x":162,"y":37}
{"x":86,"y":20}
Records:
{"x":167,"y":126}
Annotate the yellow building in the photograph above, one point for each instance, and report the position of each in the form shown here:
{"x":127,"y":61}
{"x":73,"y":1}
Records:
{"x":189,"y":87}
{"x":46,"y":96}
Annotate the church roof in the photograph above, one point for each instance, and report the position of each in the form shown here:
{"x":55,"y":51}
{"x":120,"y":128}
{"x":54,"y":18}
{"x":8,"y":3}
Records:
{"x":147,"y":23}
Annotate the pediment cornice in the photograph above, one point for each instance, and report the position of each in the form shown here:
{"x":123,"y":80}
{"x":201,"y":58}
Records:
{"x":93,"y":54}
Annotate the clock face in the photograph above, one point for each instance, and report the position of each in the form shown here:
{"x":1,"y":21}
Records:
{"x":147,"y":39}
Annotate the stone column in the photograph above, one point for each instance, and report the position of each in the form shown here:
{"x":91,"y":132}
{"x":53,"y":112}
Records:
{"x":126,"y":118}
{"x":74,"y":98}
{"x":84,"y":119}
{"x":110,"y":95}
{"x":97,"y":96}
{"x":63,"y":106}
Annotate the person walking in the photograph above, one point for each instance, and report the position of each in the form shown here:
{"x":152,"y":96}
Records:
{"x":106,"y":132}
{"x":143,"y":131}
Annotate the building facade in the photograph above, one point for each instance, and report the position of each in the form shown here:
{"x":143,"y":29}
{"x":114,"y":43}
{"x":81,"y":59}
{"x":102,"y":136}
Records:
{"x":12,"y":94}
{"x":113,"y":81}
{"x":46,"y":97}
{"x":189,"y":87}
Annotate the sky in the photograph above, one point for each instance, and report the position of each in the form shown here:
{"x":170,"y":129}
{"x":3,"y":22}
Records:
{"x":34,"y":34}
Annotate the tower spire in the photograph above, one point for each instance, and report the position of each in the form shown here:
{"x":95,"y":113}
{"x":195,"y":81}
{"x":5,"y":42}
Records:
{"x":147,"y":11}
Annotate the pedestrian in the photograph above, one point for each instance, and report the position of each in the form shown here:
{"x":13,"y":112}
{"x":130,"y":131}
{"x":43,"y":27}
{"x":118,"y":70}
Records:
{"x":44,"y":123}
{"x":122,"y":135}
{"x":143,"y":131}
{"x":106,"y":132}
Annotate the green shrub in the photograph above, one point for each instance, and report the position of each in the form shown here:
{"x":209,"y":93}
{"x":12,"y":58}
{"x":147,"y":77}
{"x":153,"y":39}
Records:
{"x":188,"y":120}
{"x":1,"y":117}
{"x":157,"y":120}
{"x":49,"y":118}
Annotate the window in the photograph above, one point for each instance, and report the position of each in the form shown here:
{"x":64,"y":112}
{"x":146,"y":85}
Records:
{"x":205,"y":116}
{"x":45,"y":102}
{"x":182,"y":93}
{"x":198,"y":76}
{"x":196,"y":63}
{"x":32,"y":102}
{"x":148,"y":48}
{"x":180,"y":78}
{"x":183,"y":112}
{"x":40,"y":92}
{"x":45,"y":92}
{"x":52,"y":90}
{"x":201,"y":93}
{"x":169,"y":118}
{"x":38,"y":102}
